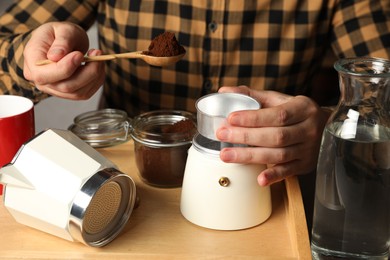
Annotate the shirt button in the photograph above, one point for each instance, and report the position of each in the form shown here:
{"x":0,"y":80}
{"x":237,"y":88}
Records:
{"x":207,"y":86}
{"x":213,"y":26}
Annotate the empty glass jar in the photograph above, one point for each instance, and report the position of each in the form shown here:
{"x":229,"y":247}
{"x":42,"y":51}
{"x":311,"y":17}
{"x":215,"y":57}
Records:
{"x":102,"y":128}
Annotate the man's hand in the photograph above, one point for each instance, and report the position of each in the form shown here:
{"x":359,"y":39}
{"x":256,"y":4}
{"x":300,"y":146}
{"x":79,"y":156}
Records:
{"x":65,"y":45}
{"x":285,"y":134}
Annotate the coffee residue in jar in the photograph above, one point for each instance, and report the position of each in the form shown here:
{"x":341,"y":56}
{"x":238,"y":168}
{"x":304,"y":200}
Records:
{"x":182,"y":126}
{"x":163,"y":164}
{"x":165,"y":45}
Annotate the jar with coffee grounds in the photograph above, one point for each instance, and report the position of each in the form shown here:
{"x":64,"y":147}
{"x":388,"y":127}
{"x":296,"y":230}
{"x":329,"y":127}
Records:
{"x":161,"y":142}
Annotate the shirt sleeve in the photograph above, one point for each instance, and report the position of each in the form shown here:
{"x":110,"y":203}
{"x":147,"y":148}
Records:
{"x":362,"y":28}
{"x":17,"y":23}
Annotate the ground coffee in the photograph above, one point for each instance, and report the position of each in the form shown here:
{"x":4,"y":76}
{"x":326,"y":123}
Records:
{"x":161,"y":166}
{"x":161,"y":146}
{"x":165,"y":45}
{"x":182,"y":126}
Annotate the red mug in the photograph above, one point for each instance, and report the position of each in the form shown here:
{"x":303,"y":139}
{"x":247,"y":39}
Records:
{"x":16,"y":126}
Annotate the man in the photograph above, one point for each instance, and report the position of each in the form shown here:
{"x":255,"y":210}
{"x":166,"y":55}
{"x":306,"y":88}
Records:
{"x":272,"y":47}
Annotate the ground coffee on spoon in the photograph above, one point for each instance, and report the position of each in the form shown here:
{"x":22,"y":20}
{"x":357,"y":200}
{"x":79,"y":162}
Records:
{"x":165,"y":45}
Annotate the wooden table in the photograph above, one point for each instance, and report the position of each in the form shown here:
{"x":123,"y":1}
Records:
{"x":157,"y":230}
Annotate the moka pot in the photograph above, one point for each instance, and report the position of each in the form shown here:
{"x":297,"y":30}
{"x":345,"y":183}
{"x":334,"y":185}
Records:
{"x":58,"y":184}
{"x":215,"y":194}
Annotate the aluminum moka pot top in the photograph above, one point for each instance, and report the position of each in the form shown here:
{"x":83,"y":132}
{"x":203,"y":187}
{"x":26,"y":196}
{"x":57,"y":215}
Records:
{"x":213,"y":110}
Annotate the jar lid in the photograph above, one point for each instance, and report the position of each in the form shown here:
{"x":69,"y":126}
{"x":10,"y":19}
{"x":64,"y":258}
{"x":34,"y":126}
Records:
{"x":164,"y":128}
{"x":102,"y":128}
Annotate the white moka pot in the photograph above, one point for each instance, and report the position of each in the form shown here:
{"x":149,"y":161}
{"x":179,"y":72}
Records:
{"x":60,"y":185}
{"x":223,"y":196}
{"x":215,"y":194}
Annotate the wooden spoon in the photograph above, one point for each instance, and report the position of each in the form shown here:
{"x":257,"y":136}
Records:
{"x":151,"y":60}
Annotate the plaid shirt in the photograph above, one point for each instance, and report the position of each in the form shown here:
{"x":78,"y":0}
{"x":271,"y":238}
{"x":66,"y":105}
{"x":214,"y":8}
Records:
{"x":266,"y":44}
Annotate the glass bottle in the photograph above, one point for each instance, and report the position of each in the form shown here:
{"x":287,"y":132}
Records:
{"x":352,"y":201}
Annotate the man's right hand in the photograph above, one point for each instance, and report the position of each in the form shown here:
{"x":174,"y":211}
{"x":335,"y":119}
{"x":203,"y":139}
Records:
{"x":64,"y":44}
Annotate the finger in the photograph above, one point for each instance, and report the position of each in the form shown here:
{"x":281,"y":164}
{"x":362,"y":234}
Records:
{"x":270,"y":98}
{"x":82,"y":84}
{"x":265,"y":97}
{"x":264,"y":136}
{"x":260,"y":155}
{"x":287,"y":113}
{"x":89,"y":73}
{"x":277,"y":173}
{"x":69,"y":68}
{"x":55,"y":40}
{"x":235,"y":89}
{"x":56,"y":71}
{"x":78,"y":92}
{"x":285,"y":163}
{"x":67,"y":38}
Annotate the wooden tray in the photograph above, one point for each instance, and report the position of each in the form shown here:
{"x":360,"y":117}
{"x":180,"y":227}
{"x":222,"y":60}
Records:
{"x":157,"y":230}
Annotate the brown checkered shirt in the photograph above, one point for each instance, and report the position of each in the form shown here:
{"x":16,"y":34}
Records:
{"x":266,"y":44}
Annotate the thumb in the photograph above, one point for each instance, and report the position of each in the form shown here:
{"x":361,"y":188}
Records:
{"x":57,"y":52}
{"x":67,"y":38}
{"x":267,"y":98}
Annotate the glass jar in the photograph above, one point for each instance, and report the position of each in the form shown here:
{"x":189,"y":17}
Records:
{"x":161,"y":142}
{"x":102,"y":128}
{"x":351,"y":210}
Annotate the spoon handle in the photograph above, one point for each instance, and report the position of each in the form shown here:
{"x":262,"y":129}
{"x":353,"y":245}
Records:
{"x":127,"y":55}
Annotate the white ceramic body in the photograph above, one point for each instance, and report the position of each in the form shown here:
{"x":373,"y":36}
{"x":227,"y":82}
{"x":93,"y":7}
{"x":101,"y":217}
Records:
{"x":239,"y":205}
{"x":46,"y":177}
